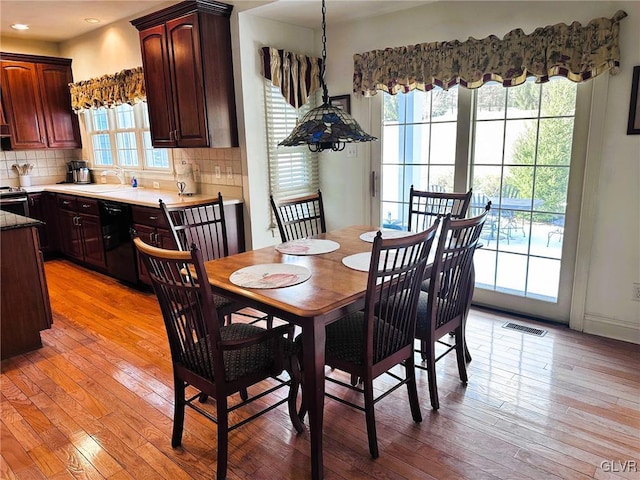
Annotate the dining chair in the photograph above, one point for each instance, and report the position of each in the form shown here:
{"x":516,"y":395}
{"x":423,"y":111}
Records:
{"x":368,"y":343}
{"x":299,"y":217}
{"x":204,"y":225}
{"x":214,"y":359}
{"x":444,"y":307}
{"x":426,"y":206}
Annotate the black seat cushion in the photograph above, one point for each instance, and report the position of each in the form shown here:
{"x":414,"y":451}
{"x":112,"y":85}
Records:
{"x":253,"y":359}
{"x":345,"y":338}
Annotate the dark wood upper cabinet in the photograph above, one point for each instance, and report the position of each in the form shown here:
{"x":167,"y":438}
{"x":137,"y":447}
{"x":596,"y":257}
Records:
{"x":188,"y":71}
{"x":37,"y":102}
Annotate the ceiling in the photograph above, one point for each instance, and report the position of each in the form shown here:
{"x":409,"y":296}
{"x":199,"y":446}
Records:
{"x":57,"y":21}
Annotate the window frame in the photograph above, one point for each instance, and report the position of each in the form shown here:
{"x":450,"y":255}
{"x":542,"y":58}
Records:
{"x":296,"y":166}
{"x":140,"y":129}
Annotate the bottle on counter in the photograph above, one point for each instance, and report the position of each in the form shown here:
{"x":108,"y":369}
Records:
{"x":134,"y":182}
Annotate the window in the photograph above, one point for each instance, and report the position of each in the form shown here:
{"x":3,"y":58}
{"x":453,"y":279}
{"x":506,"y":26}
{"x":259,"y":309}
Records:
{"x":293,"y":171}
{"x":120,"y":136}
{"x":516,"y":151}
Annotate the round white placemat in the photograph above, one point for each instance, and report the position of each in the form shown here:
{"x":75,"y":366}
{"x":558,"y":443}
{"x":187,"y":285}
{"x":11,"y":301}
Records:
{"x":358,"y":261}
{"x":270,"y":275}
{"x":308,"y":246}
{"x":386,"y":233}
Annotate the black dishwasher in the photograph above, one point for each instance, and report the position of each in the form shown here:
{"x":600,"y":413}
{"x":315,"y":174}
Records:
{"x":115,"y":219}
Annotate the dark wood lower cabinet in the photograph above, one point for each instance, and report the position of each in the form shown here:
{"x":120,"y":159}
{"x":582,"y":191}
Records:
{"x":24,"y":296}
{"x":80,"y":229}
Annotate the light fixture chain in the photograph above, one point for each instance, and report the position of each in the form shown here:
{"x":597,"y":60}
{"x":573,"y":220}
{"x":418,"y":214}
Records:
{"x":325,"y":91}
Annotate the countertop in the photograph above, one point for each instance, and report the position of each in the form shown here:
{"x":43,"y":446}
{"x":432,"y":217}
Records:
{"x":148,"y":197}
{"x":10,"y":221}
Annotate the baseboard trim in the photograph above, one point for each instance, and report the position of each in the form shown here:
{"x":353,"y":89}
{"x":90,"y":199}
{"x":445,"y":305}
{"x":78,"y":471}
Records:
{"x":611,"y":328}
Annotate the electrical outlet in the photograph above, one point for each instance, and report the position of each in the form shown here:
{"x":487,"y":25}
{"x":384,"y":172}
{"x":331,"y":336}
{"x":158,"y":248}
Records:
{"x":103,"y":179}
{"x":156,"y":184}
{"x":352,"y":151}
{"x":636,"y":292}
{"x":229,"y":172}
{"x":217,"y":171}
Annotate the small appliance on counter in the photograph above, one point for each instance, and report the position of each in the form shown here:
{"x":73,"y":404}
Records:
{"x":185,"y":180}
{"x":80,"y":173}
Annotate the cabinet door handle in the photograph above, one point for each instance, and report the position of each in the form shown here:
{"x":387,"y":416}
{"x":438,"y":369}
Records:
{"x":31,"y":202}
{"x":65,"y":202}
{"x":84,"y":205}
{"x":171,"y":135}
{"x":151,"y":238}
{"x":157,"y":239}
{"x":177,"y":135}
{"x":153,"y":218}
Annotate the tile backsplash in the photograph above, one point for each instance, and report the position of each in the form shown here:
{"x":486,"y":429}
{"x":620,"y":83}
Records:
{"x":49,"y":165}
{"x":215,"y":168}
{"x":211,"y":162}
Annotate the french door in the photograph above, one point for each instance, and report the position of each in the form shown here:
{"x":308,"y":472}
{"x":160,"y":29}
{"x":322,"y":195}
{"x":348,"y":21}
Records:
{"x":516,"y":147}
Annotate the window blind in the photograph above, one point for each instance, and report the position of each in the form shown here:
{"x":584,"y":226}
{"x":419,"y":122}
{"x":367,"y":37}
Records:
{"x":293,"y":171}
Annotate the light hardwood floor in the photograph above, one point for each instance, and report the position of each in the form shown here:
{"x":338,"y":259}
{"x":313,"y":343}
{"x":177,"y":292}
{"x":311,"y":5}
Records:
{"x":96,"y":402}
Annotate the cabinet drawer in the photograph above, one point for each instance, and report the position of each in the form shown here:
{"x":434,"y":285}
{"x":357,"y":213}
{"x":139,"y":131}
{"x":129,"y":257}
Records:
{"x":152,"y":217}
{"x":87,"y":205}
{"x":66,"y":202}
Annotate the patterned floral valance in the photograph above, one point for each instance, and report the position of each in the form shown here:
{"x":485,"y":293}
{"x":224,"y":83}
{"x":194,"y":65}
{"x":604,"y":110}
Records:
{"x":108,"y":91}
{"x":573,"y":51}
{"x":297,"y":75}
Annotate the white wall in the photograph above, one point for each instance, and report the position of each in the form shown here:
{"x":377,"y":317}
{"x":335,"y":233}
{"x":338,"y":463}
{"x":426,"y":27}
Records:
{"x":30,"y":47}
{"x":255,"y":33}
{"x":614,"y":259}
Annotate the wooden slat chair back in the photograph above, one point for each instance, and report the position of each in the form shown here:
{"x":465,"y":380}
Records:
{"x":426,"y":206}
{"x":202,"y":224}
{"x":444,"y":306}
{"x":217,"y":360}
{"x":299,"y":217}
{"x":368,"y":343}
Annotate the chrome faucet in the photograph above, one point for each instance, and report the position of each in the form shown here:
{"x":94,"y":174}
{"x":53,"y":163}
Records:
{"x":118,"y":173}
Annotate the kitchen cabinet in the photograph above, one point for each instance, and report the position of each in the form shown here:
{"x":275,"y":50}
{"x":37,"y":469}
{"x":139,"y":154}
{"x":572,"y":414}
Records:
{"x":152,"y":228}
{"x":80,"y":229}
{"x":42,"y":207}
{"x":37,"y":102}
{"x":25,"y":305}
{"x":188,"y":71}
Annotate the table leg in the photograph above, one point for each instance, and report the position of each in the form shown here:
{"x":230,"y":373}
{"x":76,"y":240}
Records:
{"x":313,"y":338}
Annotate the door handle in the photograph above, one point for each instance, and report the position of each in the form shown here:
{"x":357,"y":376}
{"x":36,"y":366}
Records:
{"x":373,"y":184}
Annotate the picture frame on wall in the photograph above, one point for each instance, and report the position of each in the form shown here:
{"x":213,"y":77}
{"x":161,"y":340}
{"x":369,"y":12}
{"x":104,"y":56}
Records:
{"x":341,"y":101}
{"x":633,"y":127}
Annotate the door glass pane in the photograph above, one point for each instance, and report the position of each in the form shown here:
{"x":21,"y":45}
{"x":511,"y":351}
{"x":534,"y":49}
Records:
{"x":419,"y":146}
{"x":526,"y":182}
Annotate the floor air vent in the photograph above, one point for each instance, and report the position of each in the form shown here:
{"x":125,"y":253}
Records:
{"x":523,"y":329}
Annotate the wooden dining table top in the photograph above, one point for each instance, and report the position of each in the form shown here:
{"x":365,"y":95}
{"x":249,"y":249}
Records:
{"x":331,"y":285}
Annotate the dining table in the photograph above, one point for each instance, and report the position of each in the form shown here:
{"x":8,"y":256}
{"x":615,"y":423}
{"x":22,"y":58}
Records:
{"x":331,"y":291}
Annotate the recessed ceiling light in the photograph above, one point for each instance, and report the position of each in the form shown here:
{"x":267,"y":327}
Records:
{"x":92,"y":20}
{"x":20,"y":26}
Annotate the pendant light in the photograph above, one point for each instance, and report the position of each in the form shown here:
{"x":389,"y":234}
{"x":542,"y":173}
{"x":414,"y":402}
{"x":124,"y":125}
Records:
{"x":326,"y":127}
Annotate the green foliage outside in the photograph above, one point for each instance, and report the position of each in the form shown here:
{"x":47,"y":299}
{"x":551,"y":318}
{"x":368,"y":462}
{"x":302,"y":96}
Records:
{"x":549,"y":148}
